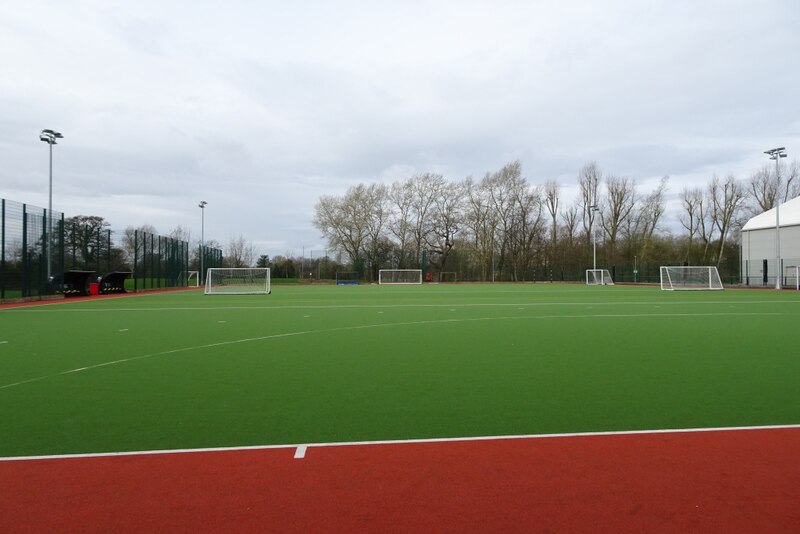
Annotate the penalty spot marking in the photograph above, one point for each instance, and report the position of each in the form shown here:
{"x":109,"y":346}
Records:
{"x":301,"y":449}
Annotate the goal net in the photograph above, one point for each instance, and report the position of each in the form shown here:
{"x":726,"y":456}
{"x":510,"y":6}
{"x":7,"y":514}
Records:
{"x":400,"y":276}
{"x":793,"y":276}
{"x":598,"y":277}
{"x":242,"y":281}
{"x":346,"y":278}
{"x":674,"y":278}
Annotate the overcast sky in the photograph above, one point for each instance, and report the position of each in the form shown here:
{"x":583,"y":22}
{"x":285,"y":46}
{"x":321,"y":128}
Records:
{"x":261,"y":107}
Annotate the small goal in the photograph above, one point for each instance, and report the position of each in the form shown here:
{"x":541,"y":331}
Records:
{"x":793,"y":276}
{"x":598,"y":277}
{"x":193,"y":278}
{"x":683,"y":278}
{"x":241,"y":281}
{"x":399,"y":276}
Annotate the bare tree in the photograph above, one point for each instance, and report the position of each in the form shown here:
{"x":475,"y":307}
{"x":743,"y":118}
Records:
{"x":589,"y":181}
{"x":425,"y":189}
{"x":791,"y":177}
{"x":763,"y":189}
{"x":692,"y":216}
{"x":551,"y":193}
{"x":342,"y":221}
{"x":446,"y":222}
{"x":646,"y":216}
{"x":480,"y":221}
{"x":239,"y":253}
{"x":399,"y":224}
{"x":616,"y":208}
{"x":376,"y":201}
{"x":726,"y":200}
{"x":570,"y":219}
{"x":180,"y":233}
{"x":129,"y":242}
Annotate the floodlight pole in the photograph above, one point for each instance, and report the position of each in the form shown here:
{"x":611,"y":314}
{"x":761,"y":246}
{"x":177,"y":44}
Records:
{"x":593,"y":208}
{"x":202,"y":207}
{"x":777,"y":154}
{"x":49,"y":137}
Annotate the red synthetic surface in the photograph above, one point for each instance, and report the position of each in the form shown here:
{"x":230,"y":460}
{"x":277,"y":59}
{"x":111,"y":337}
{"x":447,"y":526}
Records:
{"x":721,"y":481}
{"x":68,"y":300}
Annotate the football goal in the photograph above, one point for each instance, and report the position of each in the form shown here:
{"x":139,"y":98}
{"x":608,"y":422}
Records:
{"x":793,"y":277}
{"x":193,"y":278}
{"x":242,"y":281}
{"x":675,"y":278}
{"x":399,"y":276}
{"x":344,"y":278}
{"x":598,"y":277}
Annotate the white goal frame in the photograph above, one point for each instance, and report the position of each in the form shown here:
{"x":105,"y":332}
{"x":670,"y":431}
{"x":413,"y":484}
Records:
{"x":794,"y":272}
{"x":400,"y":277}
{"x":238,"y":281}
{"x":192,"y":275}
{"x":690,"y":278}
{"x":598,"y":277}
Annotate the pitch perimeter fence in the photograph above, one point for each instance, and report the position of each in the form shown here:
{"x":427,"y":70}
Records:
{"x":42,"y":255}
{"x":31,"y":249}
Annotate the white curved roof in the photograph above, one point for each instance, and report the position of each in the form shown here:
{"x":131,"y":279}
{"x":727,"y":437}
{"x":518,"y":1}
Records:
{"x":790,"y":216}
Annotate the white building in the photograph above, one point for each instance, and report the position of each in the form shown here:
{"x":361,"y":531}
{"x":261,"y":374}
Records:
{"x":758,"y":246}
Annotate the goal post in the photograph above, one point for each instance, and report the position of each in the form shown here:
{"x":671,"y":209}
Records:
{"x":193,"y":278}
{"x":688,"y":278}
{"x":399,"y":276}
{"x":598,"y":277}
{"x":238,"y":281}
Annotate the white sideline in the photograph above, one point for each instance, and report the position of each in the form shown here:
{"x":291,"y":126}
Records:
{"x":304,"y":447}
{"x":381,"y":325}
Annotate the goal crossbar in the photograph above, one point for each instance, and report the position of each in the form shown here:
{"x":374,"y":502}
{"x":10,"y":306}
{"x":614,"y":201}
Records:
{"x":690,"y":278}
{"x":399,"y":276}
{"x":238,"y":281}
{"x":598,"y":277}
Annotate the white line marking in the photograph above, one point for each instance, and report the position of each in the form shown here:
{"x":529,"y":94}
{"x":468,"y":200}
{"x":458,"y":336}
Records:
{"x":300,"y":452}
{"x":281,"y":308}
{"x":385,"y":325}
{"x":3,"y":342}
{"x":122,"y":330}
{"x":404,"y":442}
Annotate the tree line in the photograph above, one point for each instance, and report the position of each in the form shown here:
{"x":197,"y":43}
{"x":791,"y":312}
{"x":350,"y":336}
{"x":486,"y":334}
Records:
{"x":503,"y":227}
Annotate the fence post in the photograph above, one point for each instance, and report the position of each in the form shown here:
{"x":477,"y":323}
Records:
{"x":3,"y":249}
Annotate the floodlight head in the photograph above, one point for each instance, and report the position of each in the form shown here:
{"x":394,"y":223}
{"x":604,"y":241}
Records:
{"x":776,"y":152}
{"x":50,"y":136}
{"x":202,"y":204}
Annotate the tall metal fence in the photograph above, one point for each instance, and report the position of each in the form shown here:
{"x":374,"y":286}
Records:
{"x":40,"y":255}
{"x":160,"y":262}
{"x":31,"y":249}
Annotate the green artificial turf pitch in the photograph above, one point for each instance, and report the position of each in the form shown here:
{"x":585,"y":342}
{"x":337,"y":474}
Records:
{"x":311,"y":364}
